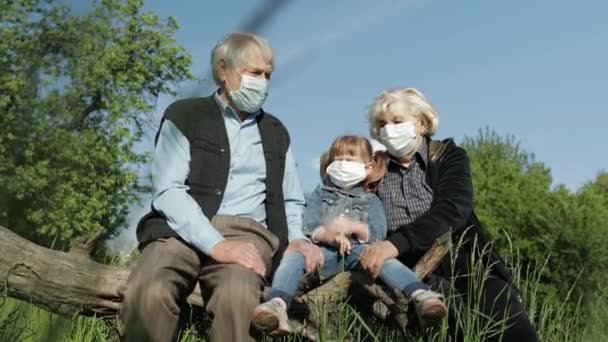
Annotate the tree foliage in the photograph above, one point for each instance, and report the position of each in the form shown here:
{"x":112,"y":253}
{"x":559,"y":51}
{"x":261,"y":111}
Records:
{"x":76,"y":92}
{"x":514,"y":195}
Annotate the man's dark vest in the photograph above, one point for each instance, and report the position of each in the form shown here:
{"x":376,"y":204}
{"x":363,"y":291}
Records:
{"x":202,"y":123}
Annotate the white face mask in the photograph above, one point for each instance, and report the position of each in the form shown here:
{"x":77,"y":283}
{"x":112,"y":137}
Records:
{"x":399,"y":139}
{"x":250,"y":97}
{"x":345,"y":174}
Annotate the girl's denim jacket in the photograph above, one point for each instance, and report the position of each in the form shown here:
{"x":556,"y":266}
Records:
{"x":327,"y":202}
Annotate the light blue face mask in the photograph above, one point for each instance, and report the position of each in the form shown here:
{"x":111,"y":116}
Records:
{"x":250,"y":97}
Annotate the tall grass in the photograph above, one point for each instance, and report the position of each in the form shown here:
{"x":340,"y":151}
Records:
{"x":20,"y":321}
{"x":556,"y":318}
{"x":13,"y":324}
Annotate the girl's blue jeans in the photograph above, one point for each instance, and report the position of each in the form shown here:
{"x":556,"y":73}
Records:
{"x":287,"y":277}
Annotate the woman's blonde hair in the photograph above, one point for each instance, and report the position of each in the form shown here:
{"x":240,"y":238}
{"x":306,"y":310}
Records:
{"x":402,"y":103}
{"x":359,"y":147}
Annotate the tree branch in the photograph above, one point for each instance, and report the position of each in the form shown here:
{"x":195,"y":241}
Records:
{"x":96,"y":104}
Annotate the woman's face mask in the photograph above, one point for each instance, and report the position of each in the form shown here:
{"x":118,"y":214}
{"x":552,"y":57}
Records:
{"x":345,"y":174}
{"x":400,"y":139}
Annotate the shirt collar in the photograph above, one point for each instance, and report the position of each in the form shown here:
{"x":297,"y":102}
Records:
{"x":357,"y":191}
{"x":423,"y":152}
{"x":227,"y":110}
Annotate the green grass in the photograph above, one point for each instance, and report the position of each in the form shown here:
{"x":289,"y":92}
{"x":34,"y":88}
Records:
{"x":556,"y":318}
{"x":20,"y":321}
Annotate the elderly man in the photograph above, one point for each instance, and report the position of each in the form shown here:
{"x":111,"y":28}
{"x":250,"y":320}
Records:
{"x":227,"y":203}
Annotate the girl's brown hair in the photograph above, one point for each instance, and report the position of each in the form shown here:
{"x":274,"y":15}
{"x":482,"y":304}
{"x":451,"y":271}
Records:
{"x":359,"y":147}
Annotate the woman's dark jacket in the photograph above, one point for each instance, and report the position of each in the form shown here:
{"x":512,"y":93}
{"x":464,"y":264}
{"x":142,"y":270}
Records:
{"x":449,"y":175}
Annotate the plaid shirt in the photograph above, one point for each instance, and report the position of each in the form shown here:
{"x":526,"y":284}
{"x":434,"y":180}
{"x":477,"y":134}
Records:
{"x":404,"y":191}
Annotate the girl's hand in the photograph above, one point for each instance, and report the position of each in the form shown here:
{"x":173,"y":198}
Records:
{"x":337,"y":226}
{"x":342,"y":243}
{"x":324,"y":235}
{"x":360,"y":231}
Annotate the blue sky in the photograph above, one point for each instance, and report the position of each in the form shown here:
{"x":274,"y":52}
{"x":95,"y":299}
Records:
{"x":535,"y":69}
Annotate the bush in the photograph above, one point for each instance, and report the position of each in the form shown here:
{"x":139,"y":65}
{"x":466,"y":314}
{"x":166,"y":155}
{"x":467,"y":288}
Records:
{"x":514,"y":193}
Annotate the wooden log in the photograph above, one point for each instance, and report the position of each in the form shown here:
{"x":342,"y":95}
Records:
{"x":86,"y":244}
{"x":63,"y":283}
{"x":72,"y":284}
{"x":431,"y":259}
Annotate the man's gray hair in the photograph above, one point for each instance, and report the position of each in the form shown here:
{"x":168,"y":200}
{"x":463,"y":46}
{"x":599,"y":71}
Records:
{"x":235,"y":49}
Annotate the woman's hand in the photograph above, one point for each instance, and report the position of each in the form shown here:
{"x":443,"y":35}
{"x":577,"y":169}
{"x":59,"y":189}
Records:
{"x":374,"y":256}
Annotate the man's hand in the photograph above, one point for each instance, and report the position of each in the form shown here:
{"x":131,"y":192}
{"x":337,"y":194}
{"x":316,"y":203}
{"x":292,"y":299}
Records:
{"x":312,"y":253}
{"x":374,"y":256}
{"x":241,"y":253}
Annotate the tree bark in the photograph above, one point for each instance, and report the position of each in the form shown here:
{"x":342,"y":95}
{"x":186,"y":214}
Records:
{"x":73,"y":284}
{"x":64,"y":283}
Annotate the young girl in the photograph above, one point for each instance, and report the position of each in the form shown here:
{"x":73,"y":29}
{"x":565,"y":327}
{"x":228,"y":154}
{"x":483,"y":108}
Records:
{"x":343,"y":215}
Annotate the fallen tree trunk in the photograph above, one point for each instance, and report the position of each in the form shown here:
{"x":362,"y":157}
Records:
{"x":72,"y":284}
{"x":64,"y":283}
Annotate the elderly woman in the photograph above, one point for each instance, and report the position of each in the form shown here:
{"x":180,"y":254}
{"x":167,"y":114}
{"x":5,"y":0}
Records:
{"x":427,"y":192}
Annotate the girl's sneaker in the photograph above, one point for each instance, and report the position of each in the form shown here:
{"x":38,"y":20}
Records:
{"x":429,"y":307}
{"x":271,"y":318}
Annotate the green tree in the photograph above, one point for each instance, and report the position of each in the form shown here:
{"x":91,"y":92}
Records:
{"x":511,"y":191}
{"x":514,"y":195}
{"x":76,"y":92}
{"x":588,"y":226}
